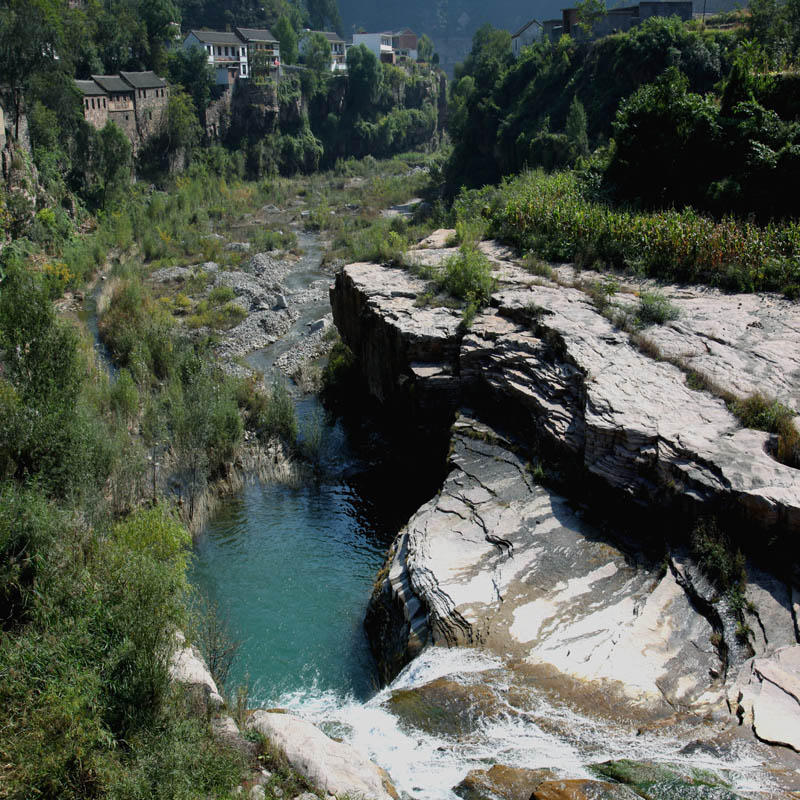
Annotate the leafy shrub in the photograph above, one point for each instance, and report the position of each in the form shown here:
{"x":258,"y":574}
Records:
{"x":655,"y":309}
{"x":468,"y":276}
{"x":715,"y":553}
{"x":265,"y":240}
{"x":124,"y":396}
{"x":221,"y":294}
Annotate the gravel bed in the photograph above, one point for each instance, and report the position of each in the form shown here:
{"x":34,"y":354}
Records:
{"x":307,"y":349}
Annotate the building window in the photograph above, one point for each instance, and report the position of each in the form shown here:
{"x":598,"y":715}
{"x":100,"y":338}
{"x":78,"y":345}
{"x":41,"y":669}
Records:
{"x":93,"y":102}
{"x":104,"y":103}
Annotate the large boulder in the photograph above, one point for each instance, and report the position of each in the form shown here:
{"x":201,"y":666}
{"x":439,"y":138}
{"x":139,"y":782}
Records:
{"x":502,"y":782}
{"x":187,"y":668}
{"x":767,"y":696}
{"x":332,"y":767}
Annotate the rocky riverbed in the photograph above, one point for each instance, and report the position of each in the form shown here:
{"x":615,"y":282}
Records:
{"x":580,"y":463}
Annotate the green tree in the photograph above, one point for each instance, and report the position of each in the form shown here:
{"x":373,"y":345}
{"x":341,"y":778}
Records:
{"x":318,"y":55}
{"x":589,"y":13}
{"x":29,"y":42}
{"x":287,"y":36}
{"x":365,"y":77}
{"x":324,"y":13}
{"x":115,"y":162}
{"x":425,"y":48}
{"x":666,"y":140}
{"x":183,"y":131}
{"x":190,"y":69}
{"x":575,"y":129}
{"x":158,"y":15}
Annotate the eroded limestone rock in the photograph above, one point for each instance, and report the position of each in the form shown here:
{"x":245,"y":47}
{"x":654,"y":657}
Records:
{"x":498,"y":561}
{"x":767,"y":696}
{"x":332,"y":767}
{"x":188,"y":668}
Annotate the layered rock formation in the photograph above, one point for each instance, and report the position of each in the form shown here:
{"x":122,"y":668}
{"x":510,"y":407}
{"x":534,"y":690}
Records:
{"x":502,"y":561}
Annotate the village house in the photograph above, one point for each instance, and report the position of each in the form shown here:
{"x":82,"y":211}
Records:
{"x":526,"y":35}
{"x":405,"y":44}
{"x":379,"y":44}
{"x":615,"y":20}
{"x":263,"y":50}
{"x":226,"y":54}
{"x":390,"y":47}
{"x":338,"y":53}
{"x":135,"y":101}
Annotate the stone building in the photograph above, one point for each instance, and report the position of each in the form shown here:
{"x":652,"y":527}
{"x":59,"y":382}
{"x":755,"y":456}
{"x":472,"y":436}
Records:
{"x":120,"y":102}
{"x":95,"y":103}
{"x":150,"y":98}
{"x":135,"y":101}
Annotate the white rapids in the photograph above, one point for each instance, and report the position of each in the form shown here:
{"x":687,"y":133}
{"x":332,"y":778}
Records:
{"x":427,"y":766}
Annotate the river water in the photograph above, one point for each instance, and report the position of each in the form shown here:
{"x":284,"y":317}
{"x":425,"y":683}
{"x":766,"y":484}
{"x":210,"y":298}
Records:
{"x":292,"y":568}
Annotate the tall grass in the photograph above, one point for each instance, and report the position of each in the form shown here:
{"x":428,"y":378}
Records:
{"x":550,"y":215}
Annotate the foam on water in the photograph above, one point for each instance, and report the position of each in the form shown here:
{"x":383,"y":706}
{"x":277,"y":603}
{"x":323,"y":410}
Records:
{"x":427,"y":766}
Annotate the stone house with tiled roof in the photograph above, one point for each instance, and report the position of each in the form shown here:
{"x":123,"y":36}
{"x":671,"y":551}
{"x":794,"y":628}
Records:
{"x":135,"y":101}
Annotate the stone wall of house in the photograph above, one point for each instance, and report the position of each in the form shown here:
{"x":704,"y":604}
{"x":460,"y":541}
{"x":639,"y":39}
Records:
{"x":2,"y":128}
{"x":95,"y":112}
{"x":127,"y":121}
{"x":151,"y":109}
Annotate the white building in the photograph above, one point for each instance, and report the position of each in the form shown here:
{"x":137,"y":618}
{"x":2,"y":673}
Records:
{"x":227,"y":54}
{"x":380,"y":44}
{"x":260,"y":43}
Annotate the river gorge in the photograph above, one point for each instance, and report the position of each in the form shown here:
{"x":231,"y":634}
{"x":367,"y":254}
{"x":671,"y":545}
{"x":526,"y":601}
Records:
{"x":529,"y":616}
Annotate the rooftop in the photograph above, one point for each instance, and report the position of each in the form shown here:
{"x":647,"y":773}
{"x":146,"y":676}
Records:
{"x":256,"y":35}
{"x":216,"y":37}
{"x":112,"y":83}
{"x":144,"y":80}
{"x":90,"y":88}
{"x":329,"y":35}
{"x":525,"y":27}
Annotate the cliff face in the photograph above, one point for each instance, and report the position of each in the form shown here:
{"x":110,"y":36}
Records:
{"x":594,"y":582}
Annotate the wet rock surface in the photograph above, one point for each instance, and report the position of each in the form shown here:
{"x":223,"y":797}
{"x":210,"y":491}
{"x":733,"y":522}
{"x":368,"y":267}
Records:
{"x":445,"y":706}
{"x":658,"y":781}
{"x":766,"y":695}
{"x":502,"y":782}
